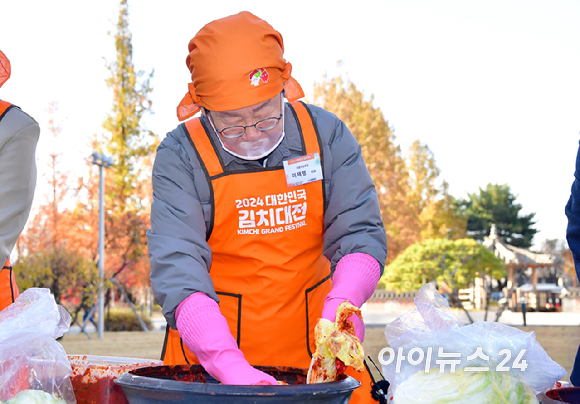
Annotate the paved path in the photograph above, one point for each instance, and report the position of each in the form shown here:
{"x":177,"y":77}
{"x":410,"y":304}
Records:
{"x":375,"y":319}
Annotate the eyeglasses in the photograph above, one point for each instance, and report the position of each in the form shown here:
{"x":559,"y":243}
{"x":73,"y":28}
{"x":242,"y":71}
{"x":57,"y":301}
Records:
{"x":232,"y":132}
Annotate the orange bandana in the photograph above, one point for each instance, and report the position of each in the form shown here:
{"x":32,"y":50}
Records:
{"x":4,"y":68}
{"x":236,"y":62}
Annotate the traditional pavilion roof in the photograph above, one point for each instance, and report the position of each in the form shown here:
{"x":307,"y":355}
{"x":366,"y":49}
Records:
{"x":514,"y":255}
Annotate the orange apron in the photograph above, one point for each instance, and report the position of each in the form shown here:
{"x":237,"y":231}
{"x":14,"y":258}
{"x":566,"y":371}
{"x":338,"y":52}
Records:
{"x":4,"y":107}
{"x":8,"y":288}
{"x":267,"y":263}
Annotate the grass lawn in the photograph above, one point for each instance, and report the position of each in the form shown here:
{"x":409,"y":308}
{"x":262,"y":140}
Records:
{"x":127,"y":344}
{"x":561,"y":344}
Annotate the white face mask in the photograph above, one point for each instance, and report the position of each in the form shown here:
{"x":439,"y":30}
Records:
{"x":254,"y":150}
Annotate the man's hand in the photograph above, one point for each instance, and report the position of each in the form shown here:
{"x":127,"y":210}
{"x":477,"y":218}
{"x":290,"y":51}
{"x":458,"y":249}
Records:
{"x":329,"y":313}
{"x":355,"y":279}
{"x":205,"y":331}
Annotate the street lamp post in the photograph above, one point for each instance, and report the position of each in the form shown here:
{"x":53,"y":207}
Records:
{"x":102,"y":161}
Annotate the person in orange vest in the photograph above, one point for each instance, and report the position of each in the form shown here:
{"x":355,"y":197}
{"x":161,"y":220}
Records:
{"x":18,"y":138}
{"x":261,"y":205}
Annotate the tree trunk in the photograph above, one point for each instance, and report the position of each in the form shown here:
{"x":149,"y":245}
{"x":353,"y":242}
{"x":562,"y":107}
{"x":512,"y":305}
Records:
{"x":458,"y":303}
{"x":507,"y":301}
{"x":486,"y":306}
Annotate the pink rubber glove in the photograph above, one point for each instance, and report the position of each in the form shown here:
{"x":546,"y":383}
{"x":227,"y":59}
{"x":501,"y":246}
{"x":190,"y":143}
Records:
{"x":205,"y":331}
{"x":355,"y":279}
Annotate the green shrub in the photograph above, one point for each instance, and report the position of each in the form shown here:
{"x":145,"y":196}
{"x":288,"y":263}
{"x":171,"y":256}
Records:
{"x":125,"y":320}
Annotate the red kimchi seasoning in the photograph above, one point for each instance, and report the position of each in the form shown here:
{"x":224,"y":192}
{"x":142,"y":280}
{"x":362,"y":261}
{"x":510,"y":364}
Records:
{"x":93,"y":377}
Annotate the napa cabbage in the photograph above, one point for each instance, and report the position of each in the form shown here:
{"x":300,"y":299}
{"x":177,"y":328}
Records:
{"x":464,"y":387}
{"x":33,"y":397}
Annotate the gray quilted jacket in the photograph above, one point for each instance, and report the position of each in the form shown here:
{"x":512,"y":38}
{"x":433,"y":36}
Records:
{"x":19,"y":135}
{"x":181,"y":209}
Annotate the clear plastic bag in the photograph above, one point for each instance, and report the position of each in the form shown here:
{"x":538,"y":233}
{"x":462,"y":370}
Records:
{"x":431,"y":341}
{"x":30,"y":356}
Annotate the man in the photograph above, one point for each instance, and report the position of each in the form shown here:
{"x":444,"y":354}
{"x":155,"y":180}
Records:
{"x":18,"y":137}
{"x":263,"y":206}
{"x":573,"y":236}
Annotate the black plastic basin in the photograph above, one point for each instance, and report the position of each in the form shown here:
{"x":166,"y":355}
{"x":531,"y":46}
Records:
{"x":191,"y":384}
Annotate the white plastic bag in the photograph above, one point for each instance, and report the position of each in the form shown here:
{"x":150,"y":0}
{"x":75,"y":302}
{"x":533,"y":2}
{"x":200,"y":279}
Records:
{"x":431,"y":339}
{"x":30,"y":356}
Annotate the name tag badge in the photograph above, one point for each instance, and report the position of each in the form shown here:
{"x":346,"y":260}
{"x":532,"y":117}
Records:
{"x":302,"y":170}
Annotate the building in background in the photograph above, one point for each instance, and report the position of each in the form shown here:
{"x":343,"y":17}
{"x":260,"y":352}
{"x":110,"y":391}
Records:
{"x":533,"y":278}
